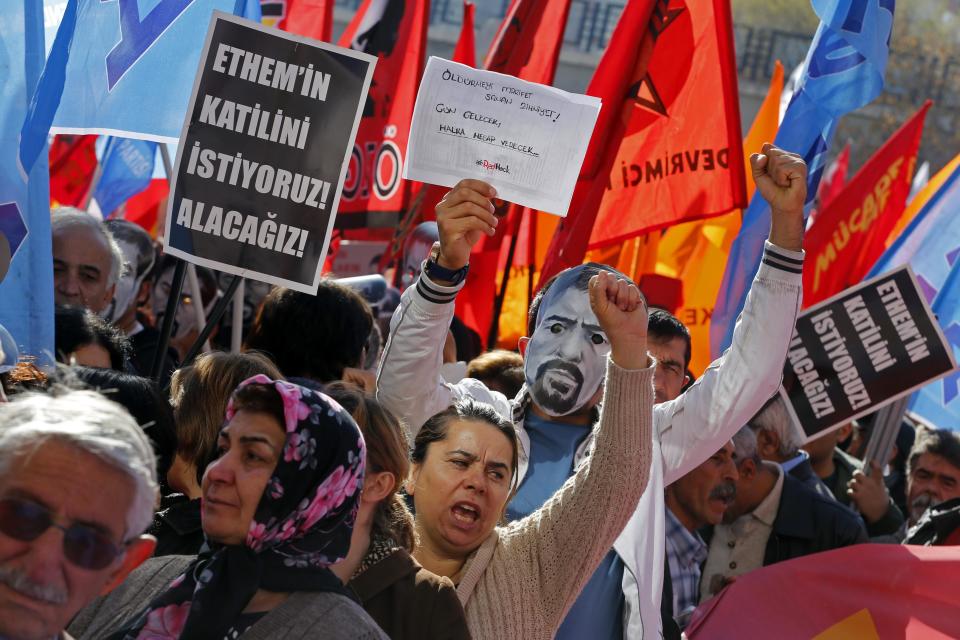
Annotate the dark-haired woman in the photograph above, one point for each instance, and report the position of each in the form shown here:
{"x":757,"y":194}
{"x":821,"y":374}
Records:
{"x":518,"y":581}
{"x":406,"y":600}
{"x":279,"y":506}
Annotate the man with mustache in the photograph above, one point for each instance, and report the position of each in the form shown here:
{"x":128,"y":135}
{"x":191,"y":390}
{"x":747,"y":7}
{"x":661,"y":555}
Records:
{"x":933,"y":471}
{"x":556,"y":411}
{"x":773,"y":517}
{"x":696,"y":500}
{"x":78,"y":484}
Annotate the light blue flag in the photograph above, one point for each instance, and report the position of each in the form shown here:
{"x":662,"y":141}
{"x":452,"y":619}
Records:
{"x":843,"y":71}
{"x":931,"y":242}
{"x":26,"y":289}
{"x":126,"y":170}
{"x":939,"y":402}
{"x":124,"y":67}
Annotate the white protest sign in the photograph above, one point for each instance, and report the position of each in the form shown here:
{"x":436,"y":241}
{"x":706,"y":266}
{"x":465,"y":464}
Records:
{"x":528,"y":140}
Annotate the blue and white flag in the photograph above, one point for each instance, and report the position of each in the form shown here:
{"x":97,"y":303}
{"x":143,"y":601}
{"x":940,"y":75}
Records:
{"x":126,"y":170}
{"x":939,"y":402}
{"x":26,"y":262}
{"x":931,"y":242}
{"x":125,"y":67}
{"x":843,"y":71}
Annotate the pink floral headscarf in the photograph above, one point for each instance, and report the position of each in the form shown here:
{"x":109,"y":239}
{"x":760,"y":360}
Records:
{"x":302,"y":525}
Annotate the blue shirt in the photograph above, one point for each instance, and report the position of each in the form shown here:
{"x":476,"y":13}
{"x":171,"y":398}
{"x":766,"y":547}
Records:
{"x":598,"y":611}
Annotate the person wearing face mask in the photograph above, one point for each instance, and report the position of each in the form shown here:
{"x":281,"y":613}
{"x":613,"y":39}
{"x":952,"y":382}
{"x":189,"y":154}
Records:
{"x":133,"y":289}
{"x":555,"y":410}
{"x":279,"y":506}
{"x":185,"y":325}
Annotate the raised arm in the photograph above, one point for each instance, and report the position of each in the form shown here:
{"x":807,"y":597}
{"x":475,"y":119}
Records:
{"x":408,"y":380}
{"x":736,"y":385}
{"x":562,"y":543}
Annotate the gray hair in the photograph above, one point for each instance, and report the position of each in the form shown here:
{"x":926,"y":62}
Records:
{"x":65,"y":217}
{"x":745,"y":445}
{"x":774,"y":417}
{"x":88,"y":421}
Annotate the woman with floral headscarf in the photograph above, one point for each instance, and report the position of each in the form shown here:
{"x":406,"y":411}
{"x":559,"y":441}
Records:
{"x":278,"y":509}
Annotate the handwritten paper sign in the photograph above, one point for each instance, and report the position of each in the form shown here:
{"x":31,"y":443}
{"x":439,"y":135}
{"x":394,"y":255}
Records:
{"x":861,"y":350}
{"x":527,"y":140}
{"x":264,"y":152}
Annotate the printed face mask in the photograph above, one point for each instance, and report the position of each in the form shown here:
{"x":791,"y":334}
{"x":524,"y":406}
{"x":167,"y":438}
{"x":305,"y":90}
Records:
{"x":566,"y":356}
{"x":127,"y":285}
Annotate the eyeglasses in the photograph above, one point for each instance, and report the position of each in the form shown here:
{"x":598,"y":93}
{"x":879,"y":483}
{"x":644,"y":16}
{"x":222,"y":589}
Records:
{"x":83,"y":545}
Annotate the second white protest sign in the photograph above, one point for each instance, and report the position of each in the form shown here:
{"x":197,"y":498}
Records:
{"x":528,"y":140}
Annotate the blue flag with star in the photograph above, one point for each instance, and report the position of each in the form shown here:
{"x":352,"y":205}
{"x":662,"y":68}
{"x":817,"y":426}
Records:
{"x":124,"y":67}
{"x":26,"y":263}
{"x":843,"y":71}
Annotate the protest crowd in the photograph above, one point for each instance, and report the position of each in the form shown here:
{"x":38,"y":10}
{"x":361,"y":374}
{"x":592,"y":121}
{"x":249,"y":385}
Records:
{"x":207,"y":432}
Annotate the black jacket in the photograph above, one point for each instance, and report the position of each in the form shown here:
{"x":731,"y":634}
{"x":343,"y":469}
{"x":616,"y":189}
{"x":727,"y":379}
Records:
{"x":807,"y":523}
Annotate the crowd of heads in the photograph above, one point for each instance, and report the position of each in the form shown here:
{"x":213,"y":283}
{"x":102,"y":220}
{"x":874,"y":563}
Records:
{"x":278,"y":450}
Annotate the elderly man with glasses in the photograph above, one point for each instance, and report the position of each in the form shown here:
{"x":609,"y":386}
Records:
{"x":78,"y":487}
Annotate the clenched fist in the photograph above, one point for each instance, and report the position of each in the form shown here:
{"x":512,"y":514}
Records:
{"x":781,"y":179}
{"x":621,"y":311}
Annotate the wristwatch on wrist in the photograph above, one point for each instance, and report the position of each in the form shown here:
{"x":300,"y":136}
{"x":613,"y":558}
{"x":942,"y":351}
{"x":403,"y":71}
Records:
{"x":435,"y":272}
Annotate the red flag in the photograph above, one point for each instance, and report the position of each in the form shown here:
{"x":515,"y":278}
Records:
{"x":466,"y":50}
{"x":527,"y":45}
{"x":623,"y":63}
{"x":834,"y":178}
{"x":678,"y":161}
{"x":374,"y":194}
{"x":73,"y":161}
{"x":465,"y":53}
{"x":850,"y":232}
{"x":144,"y":208}
{"x":311,"y":18}
{"x":867,"y":591}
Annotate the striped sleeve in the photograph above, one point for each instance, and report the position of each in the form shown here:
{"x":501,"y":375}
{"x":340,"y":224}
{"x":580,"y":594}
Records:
{"x":783,"y":259}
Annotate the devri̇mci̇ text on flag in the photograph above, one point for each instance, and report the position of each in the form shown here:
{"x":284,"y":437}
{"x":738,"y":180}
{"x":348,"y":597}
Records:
{"x":26,"y":268}
{"x":843,"y":71}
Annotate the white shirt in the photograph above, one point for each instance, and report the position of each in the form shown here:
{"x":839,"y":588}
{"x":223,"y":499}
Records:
{"x":738,"y":548}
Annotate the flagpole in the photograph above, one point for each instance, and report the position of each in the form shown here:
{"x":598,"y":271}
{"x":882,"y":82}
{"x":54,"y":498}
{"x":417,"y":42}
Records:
{"x":236,"y":337}
{"x":218,"y":310}
{"x":498,"y":301}
{"x":176,"y":288}
{"x":192,"y":279}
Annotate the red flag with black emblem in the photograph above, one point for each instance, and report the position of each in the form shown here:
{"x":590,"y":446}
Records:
{"x":395,"y":31}
{"x":668,"y":149}
{"x":850,"y":232}
{"x":310,"y":18}
{"x":73,"y":161}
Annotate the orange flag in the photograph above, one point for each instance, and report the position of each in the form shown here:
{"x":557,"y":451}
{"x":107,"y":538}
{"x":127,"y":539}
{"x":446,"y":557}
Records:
{"x":919,"y":200}
{"x":696,"y":252}
{"x":678,"y":160}
{"x":850,"y":232}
